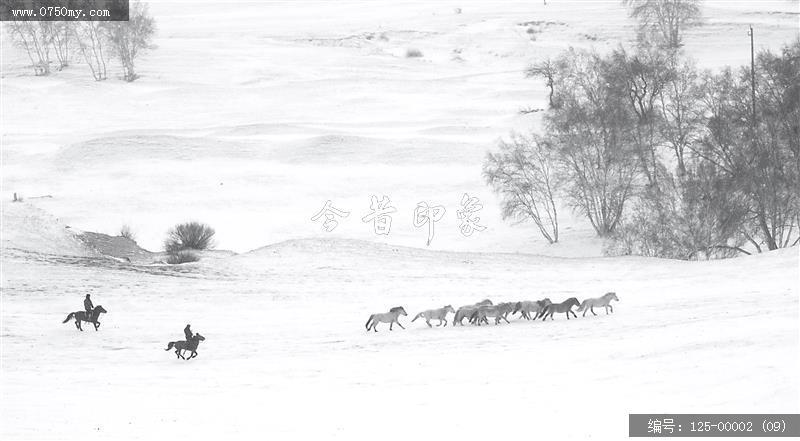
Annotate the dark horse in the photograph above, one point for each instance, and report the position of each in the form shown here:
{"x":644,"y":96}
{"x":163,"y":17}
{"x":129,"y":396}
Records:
{"x":80,"y":316}
{"x":565,"y":307}
{"x":184,"y":345}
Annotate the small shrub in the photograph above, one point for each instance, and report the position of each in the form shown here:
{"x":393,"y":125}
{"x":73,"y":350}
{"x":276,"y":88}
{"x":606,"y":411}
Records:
{"x":127,"y":232}
{"x":189,"y":235}
{"x":413,"y":53}
{"x":182,"y":256}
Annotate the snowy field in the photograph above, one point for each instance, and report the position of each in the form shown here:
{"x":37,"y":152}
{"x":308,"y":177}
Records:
{"x":286,"y":354}
{"x":249,"y":116}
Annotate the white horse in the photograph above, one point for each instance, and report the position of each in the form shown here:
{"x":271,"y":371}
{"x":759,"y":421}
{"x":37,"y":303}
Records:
{"x":526,"y":307}
{"x":499,"y":311}
{"x":386,"y":317}
{"x":604,"y":301}
{"x":435,"y":314}
{"x":467,"y":310}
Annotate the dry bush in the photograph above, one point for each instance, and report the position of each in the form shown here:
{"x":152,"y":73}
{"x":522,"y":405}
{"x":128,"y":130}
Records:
{"x":182,"y":256}
{"x":189,"y":236}
{"x":127,"y":232}
{"x":414,"y":53}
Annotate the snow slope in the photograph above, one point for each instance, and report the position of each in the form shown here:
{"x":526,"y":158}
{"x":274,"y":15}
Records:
{"x":250,"y":115}
{"x":287,"y":355}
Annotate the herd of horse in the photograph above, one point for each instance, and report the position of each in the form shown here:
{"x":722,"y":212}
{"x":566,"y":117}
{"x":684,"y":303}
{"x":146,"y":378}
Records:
{"x":479,"y":313}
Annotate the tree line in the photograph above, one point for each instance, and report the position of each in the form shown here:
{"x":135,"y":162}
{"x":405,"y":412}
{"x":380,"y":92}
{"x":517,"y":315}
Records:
{"x":96,"y":43}
{"x":662,"y":159}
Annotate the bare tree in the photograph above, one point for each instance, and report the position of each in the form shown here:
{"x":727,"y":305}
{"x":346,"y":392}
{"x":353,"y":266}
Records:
{"x":34,"y":37}
{"x":681,"y":113}
{"x":91,"y":37}
{"x":522,"y":172}
{"x":664,"y":20}
{"x":641,"y":78}
{"x":758,"y":150}
{"x":129,"y":38}
{"x":592,"y":132}
{"x":546,"y":70}
{"x":61,"y":36}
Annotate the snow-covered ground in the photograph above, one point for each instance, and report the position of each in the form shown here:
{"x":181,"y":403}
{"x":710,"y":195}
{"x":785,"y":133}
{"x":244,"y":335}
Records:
{"x":286,"y":354}
{"x":249,"y":116}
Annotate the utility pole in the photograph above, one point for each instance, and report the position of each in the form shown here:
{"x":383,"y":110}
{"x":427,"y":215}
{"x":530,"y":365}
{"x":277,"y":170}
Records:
{"x":753,"y":74}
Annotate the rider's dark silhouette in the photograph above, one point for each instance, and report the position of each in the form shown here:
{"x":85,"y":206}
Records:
{"x":88,"y":306}
{"x":188,"y":333}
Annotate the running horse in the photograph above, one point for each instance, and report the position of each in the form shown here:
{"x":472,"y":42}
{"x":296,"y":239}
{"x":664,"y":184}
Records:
{"x":80,"y":316}
{"x":183,"y":345}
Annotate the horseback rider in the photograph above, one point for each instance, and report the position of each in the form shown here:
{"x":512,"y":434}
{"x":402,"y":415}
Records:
{"x":188,"y":333}
{"x":88,"y":306}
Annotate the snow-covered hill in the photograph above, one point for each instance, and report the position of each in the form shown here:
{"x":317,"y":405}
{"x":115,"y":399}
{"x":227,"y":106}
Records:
{"x":250,"y":116}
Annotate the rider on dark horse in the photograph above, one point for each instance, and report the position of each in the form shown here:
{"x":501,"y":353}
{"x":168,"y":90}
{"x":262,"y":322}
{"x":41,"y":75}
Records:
{"x":188,"y":333}
{"x":88,"y":306}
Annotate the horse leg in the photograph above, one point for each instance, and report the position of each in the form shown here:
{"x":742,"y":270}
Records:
{"x":573,"y":313}
{"x":398,"y":324}
{"x":445,"y":322}
{"x":592,"y":309}
{"x":390,"y":325}
{"x":584,"y":313}
{"x":612,"y":308}
{"x":96,"y":325}
{"x":428,"y":323}
{"x":78,"y":324}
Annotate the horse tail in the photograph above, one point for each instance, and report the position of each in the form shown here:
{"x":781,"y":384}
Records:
{"x":170,"y":345}
{"x":583,"y":306}
{"x":417,"y":316}
{"x":368,"y":321}
{"x":69,"y":317}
